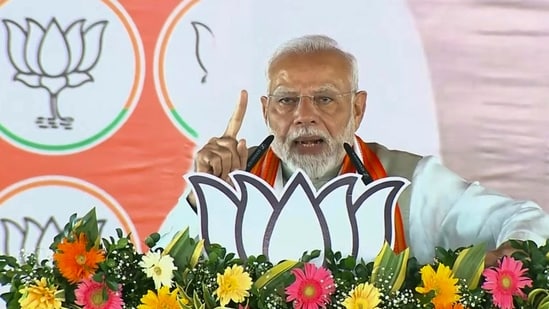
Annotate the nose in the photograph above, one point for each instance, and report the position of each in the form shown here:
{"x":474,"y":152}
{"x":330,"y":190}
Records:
{"x":306,"y":112}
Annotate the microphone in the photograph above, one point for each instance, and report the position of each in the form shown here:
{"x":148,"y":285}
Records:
{"x":360,"y":168}
{"x":258,"y":152}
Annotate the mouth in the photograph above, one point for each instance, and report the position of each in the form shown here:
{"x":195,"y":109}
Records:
{"x":309,"y":144}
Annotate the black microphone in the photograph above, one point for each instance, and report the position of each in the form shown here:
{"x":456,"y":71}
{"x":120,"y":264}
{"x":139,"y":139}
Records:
{"x":258,"y":152}
{"x":360,"y":168}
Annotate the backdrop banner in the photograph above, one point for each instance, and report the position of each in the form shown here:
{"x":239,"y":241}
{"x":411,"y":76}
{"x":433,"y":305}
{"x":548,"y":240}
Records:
{"x":103,"y":103}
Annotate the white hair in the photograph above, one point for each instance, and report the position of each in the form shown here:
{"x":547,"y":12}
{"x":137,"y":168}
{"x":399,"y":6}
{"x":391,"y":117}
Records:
{"x":309,"y":44}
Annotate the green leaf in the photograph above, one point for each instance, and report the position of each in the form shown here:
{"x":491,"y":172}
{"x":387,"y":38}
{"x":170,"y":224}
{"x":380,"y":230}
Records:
{"x":390,"y":267}
{"x":209,"y":300}
{"x":181,"y":248}
{"x":348,"y":263}
{"x":274,"y":272}
{"x":195,"y":257}
{"x":538,"y":298}
{"x":196,"y":301}
{"x":87,"y":225}
{"x":152,"y":239}
{"x":470,"y":264}
{"x":113,"y":285}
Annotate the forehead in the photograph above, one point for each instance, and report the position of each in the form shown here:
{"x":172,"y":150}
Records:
{"x":311,"y":71}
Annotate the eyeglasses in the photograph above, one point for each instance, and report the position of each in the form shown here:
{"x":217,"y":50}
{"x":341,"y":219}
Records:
{"x":324,"y":101}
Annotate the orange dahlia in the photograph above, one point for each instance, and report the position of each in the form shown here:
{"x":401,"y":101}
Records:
{"x":75,"y":261}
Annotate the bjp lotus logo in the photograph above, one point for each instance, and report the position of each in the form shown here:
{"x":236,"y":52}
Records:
{"x":54,"y":59}
{"x":30,"y":235}
{"x":251,"y":219}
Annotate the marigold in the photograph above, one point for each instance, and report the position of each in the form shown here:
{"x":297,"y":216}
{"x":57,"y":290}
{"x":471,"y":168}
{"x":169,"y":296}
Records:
{"x":233,"y":284}
{"x":41,"y":295}
{"x":442,"y":282}
{"x":74,"y":261}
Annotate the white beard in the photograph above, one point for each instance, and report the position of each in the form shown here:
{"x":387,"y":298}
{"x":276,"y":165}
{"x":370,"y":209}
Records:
{"x":315,"y":166}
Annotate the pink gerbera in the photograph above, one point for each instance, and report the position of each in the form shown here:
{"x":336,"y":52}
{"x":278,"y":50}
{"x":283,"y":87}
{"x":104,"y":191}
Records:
{"x":312,"y":288}
{"x":89,"y":295}
{"x":506,"y":281}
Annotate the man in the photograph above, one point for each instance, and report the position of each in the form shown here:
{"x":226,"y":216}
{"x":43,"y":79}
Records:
{"x":313,"y":106}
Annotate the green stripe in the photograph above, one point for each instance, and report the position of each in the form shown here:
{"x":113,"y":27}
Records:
{"x":192,"y":132}
{"x":65,"y":147}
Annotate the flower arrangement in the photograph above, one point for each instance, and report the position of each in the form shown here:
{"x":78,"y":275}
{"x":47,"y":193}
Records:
{"x":88,"y":272}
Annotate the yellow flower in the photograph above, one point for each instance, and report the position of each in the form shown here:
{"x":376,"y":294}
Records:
{"x":364,"y":296}
{"x":165,"y":299}
{"x":233,"y":285}
{"x":41,"y":295}
{"x":442,"y":283}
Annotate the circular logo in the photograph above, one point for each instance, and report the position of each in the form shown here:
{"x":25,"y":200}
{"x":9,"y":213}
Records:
{"x":61,"y":89}
{"x":29,"y":223}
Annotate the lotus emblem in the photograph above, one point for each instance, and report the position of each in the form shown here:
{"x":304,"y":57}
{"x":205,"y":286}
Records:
{"x":54,"y":59}
{"x":30,"y":235}
{"x":251,"y":218}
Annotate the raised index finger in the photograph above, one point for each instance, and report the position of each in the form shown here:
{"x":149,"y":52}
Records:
{"x":238,"y":116}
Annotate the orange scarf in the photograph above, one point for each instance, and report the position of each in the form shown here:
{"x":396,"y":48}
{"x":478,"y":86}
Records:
{"x":267,"y":169}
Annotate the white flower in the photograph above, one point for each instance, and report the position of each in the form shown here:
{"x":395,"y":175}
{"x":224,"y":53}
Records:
{"x":159,"y":267}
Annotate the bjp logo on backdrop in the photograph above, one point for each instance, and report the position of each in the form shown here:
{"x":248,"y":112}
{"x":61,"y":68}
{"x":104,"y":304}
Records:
{"x":183,"y":64}
{"x":54,"y":59}
{"x":63,"y":90}
{"x":27,"y":225}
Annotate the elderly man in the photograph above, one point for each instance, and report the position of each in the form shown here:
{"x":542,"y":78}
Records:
{"x":313,"y":106}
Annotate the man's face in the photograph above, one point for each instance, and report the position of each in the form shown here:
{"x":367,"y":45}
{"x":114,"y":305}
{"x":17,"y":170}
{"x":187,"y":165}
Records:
{"x":312,"y":109}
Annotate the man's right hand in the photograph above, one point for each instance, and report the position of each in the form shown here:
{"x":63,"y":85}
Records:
{"x":222,"y":155}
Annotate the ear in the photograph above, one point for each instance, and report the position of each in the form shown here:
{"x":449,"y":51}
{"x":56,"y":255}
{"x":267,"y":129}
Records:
{"x":264,"y":103}
{"x":359,"y":107}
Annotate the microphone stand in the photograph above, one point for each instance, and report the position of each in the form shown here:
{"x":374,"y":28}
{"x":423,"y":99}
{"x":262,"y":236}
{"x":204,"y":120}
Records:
{"x":357,"y":163}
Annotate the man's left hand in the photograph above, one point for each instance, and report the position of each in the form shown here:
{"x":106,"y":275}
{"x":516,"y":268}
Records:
{"x":492,"y":257}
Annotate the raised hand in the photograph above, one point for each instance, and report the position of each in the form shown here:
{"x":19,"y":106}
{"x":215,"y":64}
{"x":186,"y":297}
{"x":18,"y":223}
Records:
{"x":222,"y":155}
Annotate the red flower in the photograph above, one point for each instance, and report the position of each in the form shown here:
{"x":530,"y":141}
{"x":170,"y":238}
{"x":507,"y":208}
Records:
{"x":312,"y":288}
{"x":506,"y":281}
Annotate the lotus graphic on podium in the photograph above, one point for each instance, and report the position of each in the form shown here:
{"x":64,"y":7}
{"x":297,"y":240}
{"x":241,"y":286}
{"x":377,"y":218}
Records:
{"x":54,"y":59}
{"x":253,"y":218}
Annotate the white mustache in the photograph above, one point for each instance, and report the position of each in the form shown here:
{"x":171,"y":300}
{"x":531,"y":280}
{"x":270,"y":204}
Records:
{"x":305,"y":132}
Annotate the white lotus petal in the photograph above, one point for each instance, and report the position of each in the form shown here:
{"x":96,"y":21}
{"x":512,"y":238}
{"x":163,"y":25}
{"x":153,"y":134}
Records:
{"x":49,"y":231}
{"x":33,"y":232}
{"x":53,"y":54}
{"x":76,"y":79}
{"x":53,"y":84}
{"x":335,"y":208}
{"x":306,"y":233}
{"x":14,"y":236}
{"x":75,"y":39}
{"x":216,"y":210}
{"x":35,"y":34}
{"x":31,"y":80}
{"x":93,"y":42}
{"x":255,"y":216}
{"x":16,"y":45}
{"x":371,"y":214}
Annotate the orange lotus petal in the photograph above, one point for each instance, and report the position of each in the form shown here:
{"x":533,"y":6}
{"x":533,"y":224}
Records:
{"x":74,"y":261}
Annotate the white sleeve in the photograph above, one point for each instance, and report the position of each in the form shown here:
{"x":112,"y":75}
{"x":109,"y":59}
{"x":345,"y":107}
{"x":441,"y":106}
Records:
{"x":447,"y":211}
{"x":180,"y":217}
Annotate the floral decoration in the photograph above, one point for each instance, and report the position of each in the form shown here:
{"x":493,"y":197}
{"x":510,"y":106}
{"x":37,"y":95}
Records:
{"x":88,"y":272}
